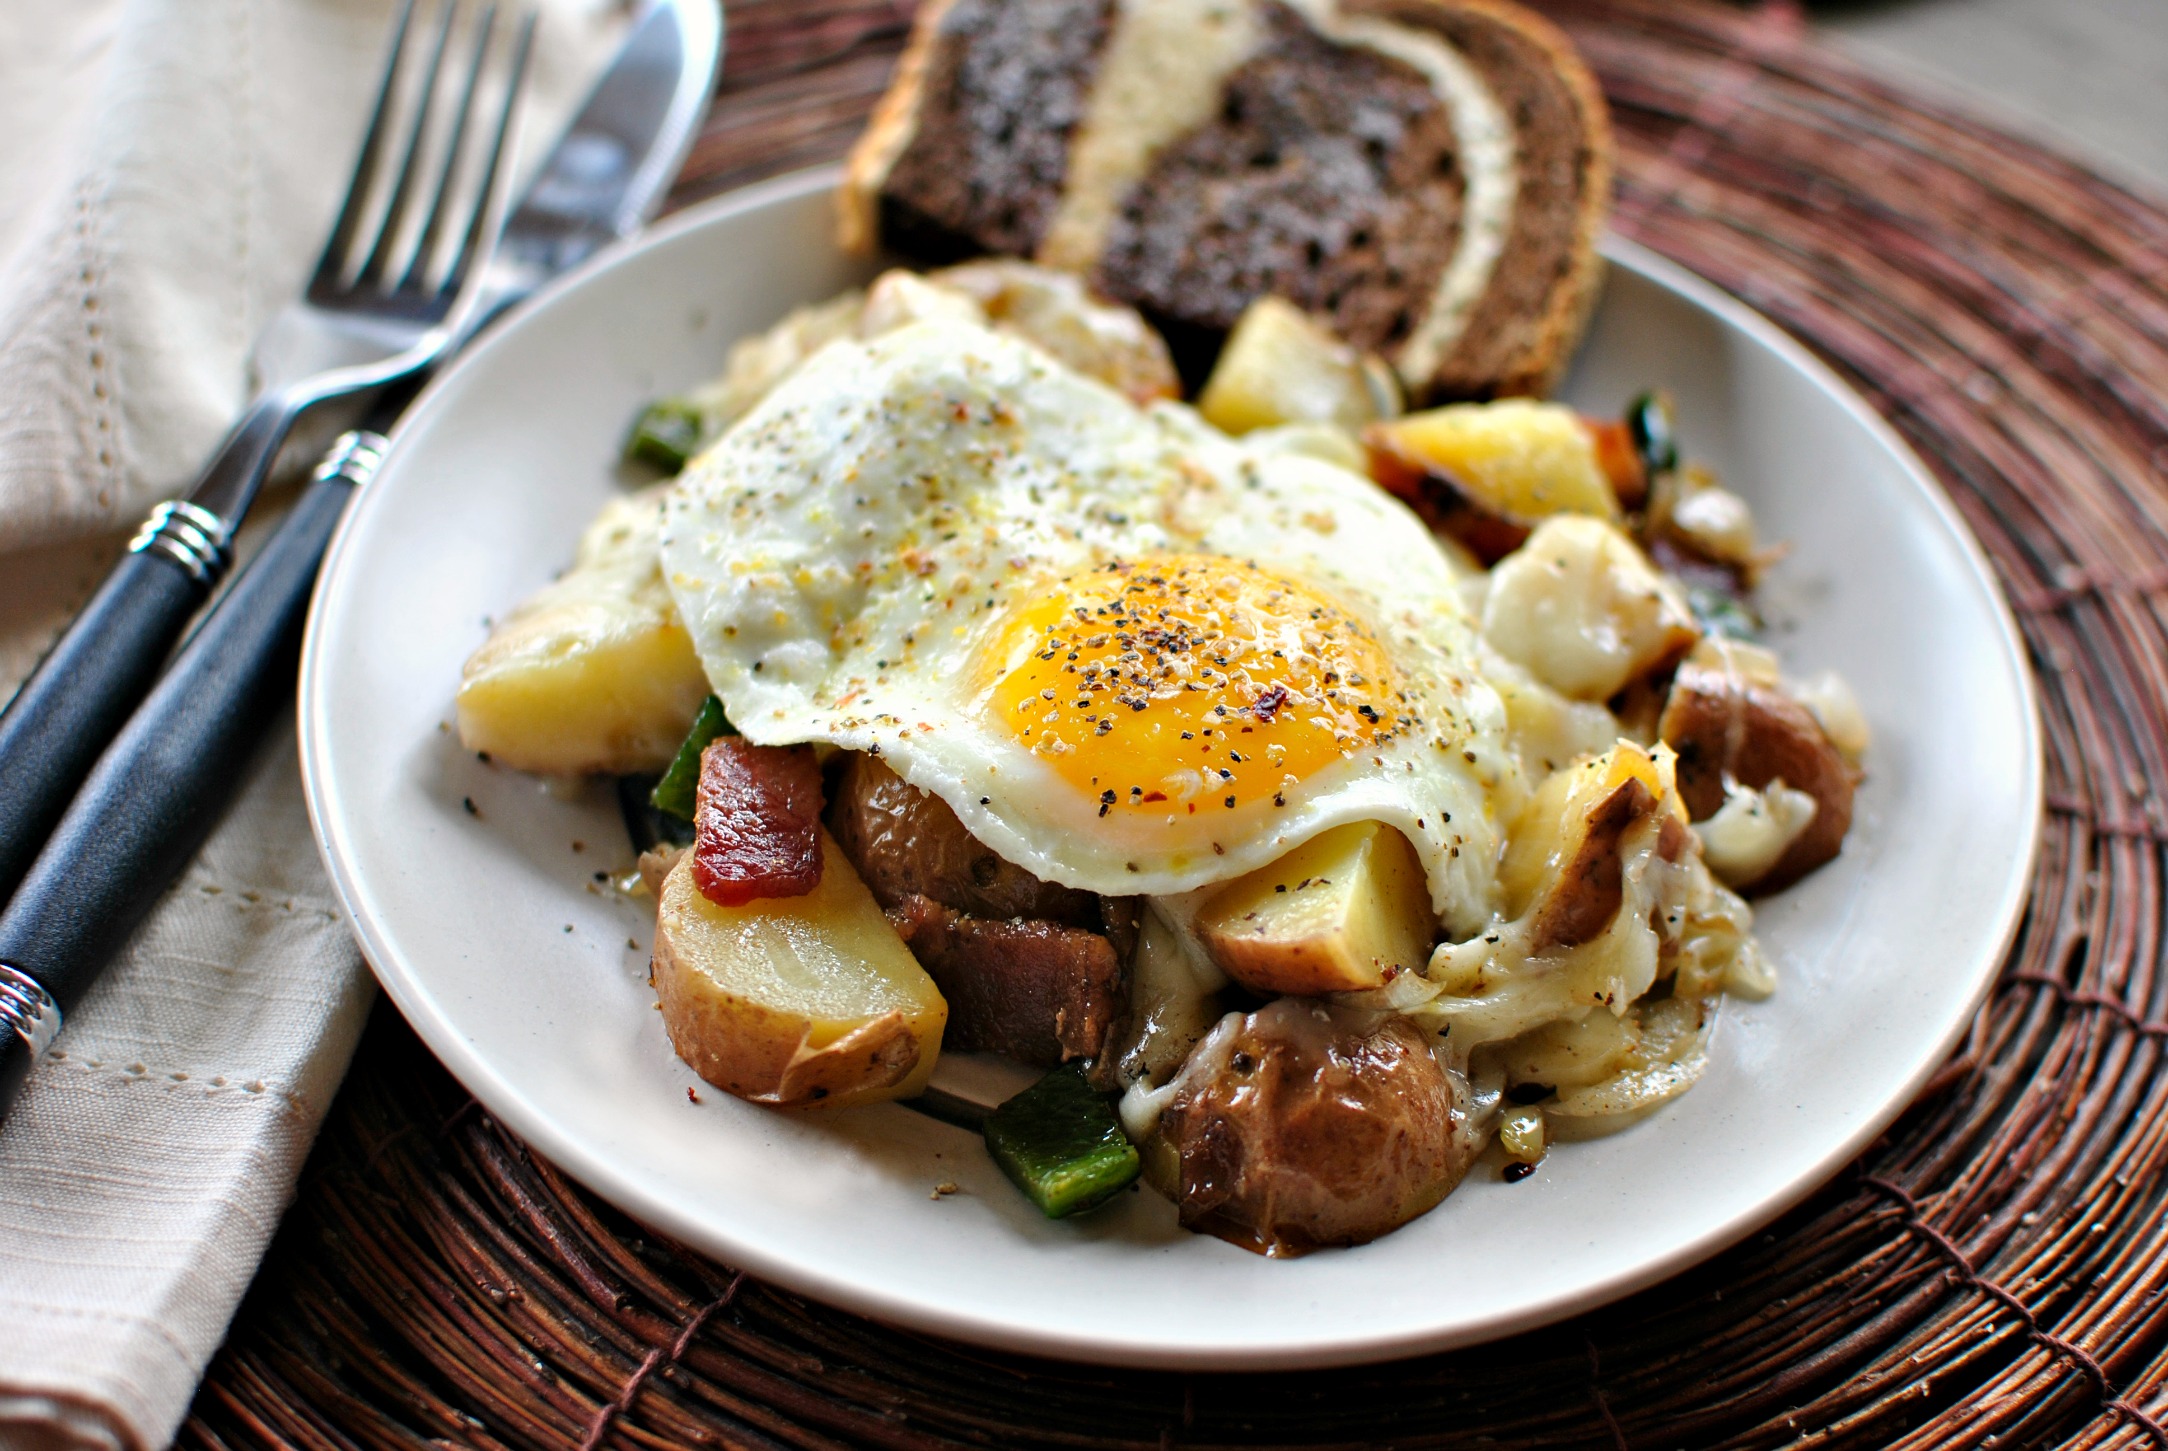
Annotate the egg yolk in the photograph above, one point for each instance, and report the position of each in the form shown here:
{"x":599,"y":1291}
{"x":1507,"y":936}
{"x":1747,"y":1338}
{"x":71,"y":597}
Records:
{"x":1180,"y":684}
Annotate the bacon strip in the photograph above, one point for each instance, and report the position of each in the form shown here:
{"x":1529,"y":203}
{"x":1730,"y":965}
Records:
{"x":757,"y":822}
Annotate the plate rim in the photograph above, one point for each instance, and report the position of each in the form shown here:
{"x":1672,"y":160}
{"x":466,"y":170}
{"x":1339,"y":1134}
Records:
{"x":476,"y":1073}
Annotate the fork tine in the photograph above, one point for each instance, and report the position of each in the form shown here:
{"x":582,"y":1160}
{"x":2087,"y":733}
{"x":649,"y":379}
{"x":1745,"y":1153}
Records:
{"x":481,"y":228}
{"x":417,"y":270}
{"x":333,"y":261}
{"x":373,"y":270}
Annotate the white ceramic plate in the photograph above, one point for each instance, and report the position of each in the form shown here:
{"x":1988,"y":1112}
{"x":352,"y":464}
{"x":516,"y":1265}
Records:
{"x":490,"y":934}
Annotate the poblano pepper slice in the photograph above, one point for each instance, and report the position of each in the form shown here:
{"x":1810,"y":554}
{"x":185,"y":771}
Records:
{"x":1062,"y":1145}
{"x":666,"y":434}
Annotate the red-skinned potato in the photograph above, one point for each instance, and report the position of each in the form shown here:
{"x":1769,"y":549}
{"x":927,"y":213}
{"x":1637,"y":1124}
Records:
{"x":1300,"y":1126}
{"x":795,"y":1001}
{"x":1725,"y":719}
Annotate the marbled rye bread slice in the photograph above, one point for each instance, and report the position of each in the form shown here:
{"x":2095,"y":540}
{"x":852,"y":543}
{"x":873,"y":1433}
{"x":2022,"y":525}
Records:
{"x":1427,"y":175}
{"x":971,"y":142}
{"x":1522,"y":333}
{"x":1328,"y":175}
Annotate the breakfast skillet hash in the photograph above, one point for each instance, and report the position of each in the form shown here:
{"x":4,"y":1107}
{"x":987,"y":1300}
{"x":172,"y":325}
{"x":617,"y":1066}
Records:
{"x":1319,"y":793}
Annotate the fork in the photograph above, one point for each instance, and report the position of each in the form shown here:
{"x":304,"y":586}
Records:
{"x":378,"y":309}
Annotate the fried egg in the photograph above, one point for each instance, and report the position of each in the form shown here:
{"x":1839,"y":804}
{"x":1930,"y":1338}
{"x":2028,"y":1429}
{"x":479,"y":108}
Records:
{"x":1135,"y":656}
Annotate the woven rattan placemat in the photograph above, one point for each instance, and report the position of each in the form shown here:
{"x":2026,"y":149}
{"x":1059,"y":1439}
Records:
{"x":1991,"y":1271}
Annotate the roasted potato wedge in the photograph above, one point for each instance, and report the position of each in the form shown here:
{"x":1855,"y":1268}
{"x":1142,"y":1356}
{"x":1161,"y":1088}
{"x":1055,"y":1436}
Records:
{"x":1053,"y":309}
{"x":908,"y":842}
{"x":1583,"y":609}
{"x":1489,"y":473}
{"x":1728,"y":716}
{"x":1348,"y":909}
{"x":1563,"y":865}
{"x":795,"y":1001}
{"x":1282,"y":366}
{"x":594,"y":673}
{"x":1300,"y":1126}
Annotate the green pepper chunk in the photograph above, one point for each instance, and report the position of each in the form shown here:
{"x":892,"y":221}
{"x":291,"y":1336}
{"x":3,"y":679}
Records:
{"x":1655,"y":434}
{"x":667,"y":434}
{"x":679,"y":789}
{"x":1061,"y":1144}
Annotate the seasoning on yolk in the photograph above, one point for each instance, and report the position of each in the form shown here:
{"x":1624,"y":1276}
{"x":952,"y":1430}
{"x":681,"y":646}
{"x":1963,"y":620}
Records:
{"x":1182,"y":684}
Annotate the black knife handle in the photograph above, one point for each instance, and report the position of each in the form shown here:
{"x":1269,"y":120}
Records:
{"x":80,"y":693}
{"x":156,"y":792}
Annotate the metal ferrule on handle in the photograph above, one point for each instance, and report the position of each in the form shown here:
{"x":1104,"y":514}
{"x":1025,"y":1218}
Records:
{"x":29,"y":1020}
{"x":27,"y":1010}
{"x":190,"y":535}
{"x":353,"y":456}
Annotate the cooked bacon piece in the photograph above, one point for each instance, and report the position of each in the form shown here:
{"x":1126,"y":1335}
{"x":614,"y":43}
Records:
{"x":758,"y":821}
{"x":1036,"y":991}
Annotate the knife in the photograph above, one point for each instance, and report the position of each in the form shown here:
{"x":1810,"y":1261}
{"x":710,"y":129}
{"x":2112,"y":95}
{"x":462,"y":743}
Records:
{"x":154,"y":795}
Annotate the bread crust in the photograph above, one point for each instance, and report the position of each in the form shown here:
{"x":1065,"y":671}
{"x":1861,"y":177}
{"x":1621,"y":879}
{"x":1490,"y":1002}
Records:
{"x":1536,"y":368}
{"x":894,"y":123}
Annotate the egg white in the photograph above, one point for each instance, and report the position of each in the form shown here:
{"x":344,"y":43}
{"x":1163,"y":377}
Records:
{"x":841,"y":554}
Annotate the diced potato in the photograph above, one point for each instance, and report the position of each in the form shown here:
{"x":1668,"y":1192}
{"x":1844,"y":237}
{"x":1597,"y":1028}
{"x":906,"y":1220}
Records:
{"x":1584,"y":610}
{"x":1507,"y":465}
{"x":1300,"y":1126}
{"x":1692,"y":513}
{"x":1347,"y":910}
{"x":1282,"y":366}
{"x":795,"y":1001}
{"x":898,"y":298}
{"x":1563,"y":865}
{"x":1734,"y":724}
{"x":1829,"y":699}
{"x":1055,"y":311}
{"x":594,"y":673}
{"x":1753,"y":829}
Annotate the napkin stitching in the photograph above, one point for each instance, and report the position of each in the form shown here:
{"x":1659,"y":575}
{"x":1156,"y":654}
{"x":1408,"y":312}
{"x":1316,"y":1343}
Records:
{"x":99,"y":363}
{"x":161,"y":1331}
{"x":253,"y":900}
{"x":198,"y":1081}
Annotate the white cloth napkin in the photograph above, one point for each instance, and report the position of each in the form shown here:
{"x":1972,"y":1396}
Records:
{"x":168,"y":169}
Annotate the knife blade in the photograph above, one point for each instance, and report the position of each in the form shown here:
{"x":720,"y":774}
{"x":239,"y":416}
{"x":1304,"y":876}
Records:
{"x":607,"y":174}
{"x":154,"y":795}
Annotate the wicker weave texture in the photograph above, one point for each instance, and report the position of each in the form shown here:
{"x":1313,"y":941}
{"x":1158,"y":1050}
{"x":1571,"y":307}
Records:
{"x":1992,"y":1271}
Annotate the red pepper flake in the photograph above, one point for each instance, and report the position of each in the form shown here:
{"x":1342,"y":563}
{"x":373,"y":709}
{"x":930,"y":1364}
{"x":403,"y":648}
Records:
{"x":757,"y":821}
{"x":1268,"y":705}
{"x":692,"y":1095}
